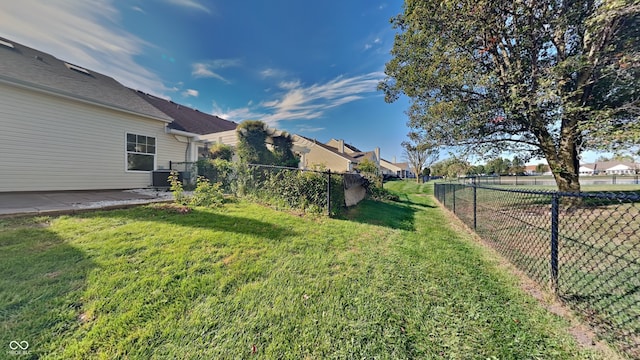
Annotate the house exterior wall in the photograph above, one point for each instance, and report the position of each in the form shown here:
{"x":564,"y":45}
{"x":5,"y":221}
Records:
{"x":54,"y":143}
{"x":320,"y":156}
{"x":229,"y":137}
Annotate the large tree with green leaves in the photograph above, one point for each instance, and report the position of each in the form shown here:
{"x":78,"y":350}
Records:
{"x":546,"y":78}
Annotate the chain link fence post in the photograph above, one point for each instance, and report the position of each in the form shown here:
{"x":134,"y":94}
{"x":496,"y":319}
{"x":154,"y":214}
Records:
{"x":454,"y":197}
{"x":475,"y":207}
{"x":555,"y":204}
{"x":329,"y":193}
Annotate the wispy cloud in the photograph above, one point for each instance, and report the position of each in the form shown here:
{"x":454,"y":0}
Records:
{"x":138,"y":9}
{"x":190,"y":4}
{"x":84,"y":33}
{"x":295,"y":101}
{"x":272,"y":73}
{"x":308,"y":129}
{"x":209,"y":69}
{"x":372,"y":42}
{"x":190,"y":92}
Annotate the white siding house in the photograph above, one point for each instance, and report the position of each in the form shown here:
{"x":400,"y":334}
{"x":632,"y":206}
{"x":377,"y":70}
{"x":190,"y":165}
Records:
{"x":64,"y":127}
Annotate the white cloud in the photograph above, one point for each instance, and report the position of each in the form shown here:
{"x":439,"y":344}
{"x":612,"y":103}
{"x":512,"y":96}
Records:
{"x":209,"y":69}
{"x":289,"y":85}
{"x":272,"y":73}
{"x":297,"y":102}
{"x":190,"y":92}
{"x":138,"y":9}
{"x":309,"y":129}
{"x":191,"y":4}
{"x":86,"y":33}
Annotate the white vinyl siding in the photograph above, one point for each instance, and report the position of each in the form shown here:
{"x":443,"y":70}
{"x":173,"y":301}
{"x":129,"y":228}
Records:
{"x":51,"y":143}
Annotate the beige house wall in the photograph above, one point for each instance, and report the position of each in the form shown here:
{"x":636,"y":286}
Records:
{"x":49,"y":143}
{"x":318,"y":155}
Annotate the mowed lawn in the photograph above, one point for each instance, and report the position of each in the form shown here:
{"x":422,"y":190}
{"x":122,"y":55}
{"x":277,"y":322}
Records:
{"x":388,"y":281}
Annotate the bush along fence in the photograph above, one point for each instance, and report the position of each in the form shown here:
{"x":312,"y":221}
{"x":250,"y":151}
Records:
{"x":585,"y":246}
{"x":281,"y":187}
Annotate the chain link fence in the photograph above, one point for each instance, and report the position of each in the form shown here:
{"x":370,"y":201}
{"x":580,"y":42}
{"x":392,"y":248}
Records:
{"x":584,"y":246}
{"x":278,"y":186}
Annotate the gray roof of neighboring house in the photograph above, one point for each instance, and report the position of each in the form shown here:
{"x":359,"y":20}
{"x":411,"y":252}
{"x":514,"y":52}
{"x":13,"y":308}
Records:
{"x":330,"y":148}
{"x":25,"y":66}
{"x":188,"y":119}
{"x":371,"y":155}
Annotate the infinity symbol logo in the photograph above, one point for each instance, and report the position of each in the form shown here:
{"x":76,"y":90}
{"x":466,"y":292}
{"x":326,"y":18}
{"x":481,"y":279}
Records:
{"x":14,"y":345}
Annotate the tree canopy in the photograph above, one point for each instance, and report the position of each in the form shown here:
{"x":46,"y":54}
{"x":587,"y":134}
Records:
{"x":538,"y":78}
{"x":420,"y":155}
{"x":253,"y":137}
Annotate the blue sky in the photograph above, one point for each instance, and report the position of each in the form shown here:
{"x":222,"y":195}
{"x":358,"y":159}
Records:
{"x":310,"y":68}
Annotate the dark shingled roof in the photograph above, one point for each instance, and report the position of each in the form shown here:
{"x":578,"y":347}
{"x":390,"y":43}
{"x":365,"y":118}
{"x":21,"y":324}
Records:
{"x":25,"y":66}
{"x":188,"y":119}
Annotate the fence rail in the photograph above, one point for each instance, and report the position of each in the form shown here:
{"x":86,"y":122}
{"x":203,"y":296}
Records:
{"x":584,"y":246}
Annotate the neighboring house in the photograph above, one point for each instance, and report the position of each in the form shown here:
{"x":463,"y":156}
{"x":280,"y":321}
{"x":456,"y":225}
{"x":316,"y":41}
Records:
{"x":610,"y":168}
{"x":389,"y":168}
{"x":65,"y":127}
{"x":401,"y":170}
{"x":531,"y":170}
{"x":323,"y":155}
{"x":405,"y":170}
{"x":334,"y":155}
{"x":354,"y":152}
{"x":587,"y":169}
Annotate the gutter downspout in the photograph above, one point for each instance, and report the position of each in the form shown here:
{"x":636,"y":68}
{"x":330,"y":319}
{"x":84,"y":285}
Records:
{"x":191,"y":138}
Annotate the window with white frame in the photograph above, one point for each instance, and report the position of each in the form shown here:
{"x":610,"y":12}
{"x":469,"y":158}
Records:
{"x":141,"y":152}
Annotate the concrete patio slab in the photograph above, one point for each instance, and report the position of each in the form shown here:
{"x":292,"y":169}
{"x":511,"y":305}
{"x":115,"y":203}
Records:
{"x":60,"y":202}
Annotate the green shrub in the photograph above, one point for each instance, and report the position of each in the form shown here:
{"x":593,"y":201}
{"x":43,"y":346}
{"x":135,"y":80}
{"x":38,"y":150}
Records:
{"x":379,"y":193}
{"x":207,"y":194}
{"x":177,"y":189}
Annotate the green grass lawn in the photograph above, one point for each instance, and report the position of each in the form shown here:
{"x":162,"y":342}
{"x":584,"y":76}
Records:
{"x":387,"y":281}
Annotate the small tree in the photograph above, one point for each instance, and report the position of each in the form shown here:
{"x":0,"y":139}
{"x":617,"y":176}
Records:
{"x":517,"y":166}
{"x":542,"y":168}
{"x":282,"y":154}
{"x":420,"y":155}
{"x":252,"y":146}
{"x":367,"y":166}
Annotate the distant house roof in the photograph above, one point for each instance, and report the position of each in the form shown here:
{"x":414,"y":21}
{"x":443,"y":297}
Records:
{"x":361,"y":155}
{"x":352,"y":148}
{"x":188,"y":119}
{"x":24,"y":66}
{"x":330,"y":148}
{"x":605,"y":165}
